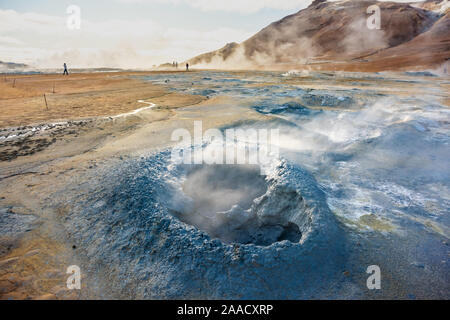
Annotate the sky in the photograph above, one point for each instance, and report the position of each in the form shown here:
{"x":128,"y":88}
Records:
{"x":129,"y":33}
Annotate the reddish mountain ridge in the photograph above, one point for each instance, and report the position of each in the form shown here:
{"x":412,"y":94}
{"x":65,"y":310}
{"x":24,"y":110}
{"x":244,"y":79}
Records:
{"x":334,"y":36}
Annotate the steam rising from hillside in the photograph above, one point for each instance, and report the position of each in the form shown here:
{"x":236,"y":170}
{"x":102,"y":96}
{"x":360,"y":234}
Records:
{"x":336,"y":32}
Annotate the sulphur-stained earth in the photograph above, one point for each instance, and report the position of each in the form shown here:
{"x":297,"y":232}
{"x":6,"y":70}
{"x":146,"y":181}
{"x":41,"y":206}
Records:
{"x":87,"y":179}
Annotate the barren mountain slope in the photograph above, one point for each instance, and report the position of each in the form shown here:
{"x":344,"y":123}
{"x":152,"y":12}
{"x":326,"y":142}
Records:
{"x":335,"y":35}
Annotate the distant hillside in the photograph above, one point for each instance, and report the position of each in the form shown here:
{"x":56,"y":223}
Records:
{"x":334,"y":35}
{"x":12,"y":66}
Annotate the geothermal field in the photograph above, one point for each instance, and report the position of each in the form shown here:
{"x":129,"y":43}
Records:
{"x":361,"y":179}
{"x":308,"y":161}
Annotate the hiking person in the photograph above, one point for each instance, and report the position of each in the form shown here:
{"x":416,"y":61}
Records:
{"x":65,"y":69}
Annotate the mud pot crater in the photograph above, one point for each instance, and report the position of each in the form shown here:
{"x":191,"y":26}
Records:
{"x":236,"y":204}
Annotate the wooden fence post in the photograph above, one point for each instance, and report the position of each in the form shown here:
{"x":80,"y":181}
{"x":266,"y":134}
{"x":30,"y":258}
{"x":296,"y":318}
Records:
{"x":45,"y":98}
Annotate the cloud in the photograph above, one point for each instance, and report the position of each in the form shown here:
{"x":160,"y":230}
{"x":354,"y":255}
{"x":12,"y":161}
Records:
{"x":10,"y":41}
{"x":243,"y":6}
{"x":45,"y":41}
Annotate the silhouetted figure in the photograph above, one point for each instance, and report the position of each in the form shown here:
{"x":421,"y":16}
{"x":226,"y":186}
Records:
{"x":187,"y":66}
{"x":65,"y":69}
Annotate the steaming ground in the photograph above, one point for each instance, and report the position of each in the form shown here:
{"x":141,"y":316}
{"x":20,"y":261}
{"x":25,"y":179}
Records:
{"x":362,"y":180}
{"x":380,"y":157}
{"x":373,"y":152}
